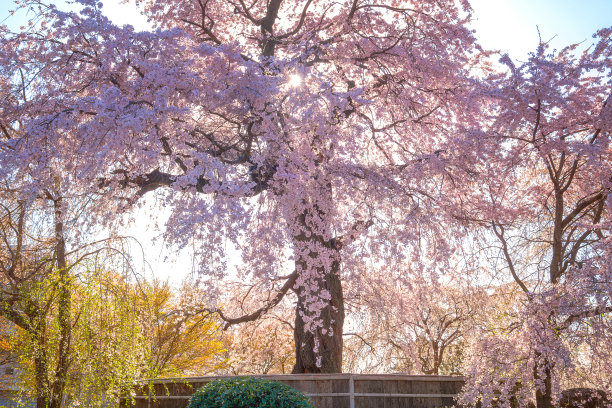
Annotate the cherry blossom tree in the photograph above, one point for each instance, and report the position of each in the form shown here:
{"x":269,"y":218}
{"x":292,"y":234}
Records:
{"x":264,"y":346}
{"x":536,"y":182}
{"x":424,"y":326}
{"x":301,"y":132}
{"x":420,"y":322}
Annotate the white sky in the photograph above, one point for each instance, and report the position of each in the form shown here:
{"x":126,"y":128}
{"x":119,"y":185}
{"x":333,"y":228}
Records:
{"x":507,"y":25}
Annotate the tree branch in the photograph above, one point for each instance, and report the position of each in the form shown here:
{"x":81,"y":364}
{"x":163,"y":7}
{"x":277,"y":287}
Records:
{"x":587,"y":313}
{"x":502,"y":239}
{"x":230,"y":321}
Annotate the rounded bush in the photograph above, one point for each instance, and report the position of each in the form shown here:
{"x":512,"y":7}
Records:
{"x":247,"y":392}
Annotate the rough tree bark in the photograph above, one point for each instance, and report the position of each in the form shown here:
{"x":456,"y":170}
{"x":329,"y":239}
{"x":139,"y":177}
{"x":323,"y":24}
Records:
{"x":329,"y":343}
{"x":543,"y":396}
{"x":318,"y":350}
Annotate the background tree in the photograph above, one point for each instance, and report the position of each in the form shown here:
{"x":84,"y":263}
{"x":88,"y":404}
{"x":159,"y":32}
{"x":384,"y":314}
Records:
{"x":178,"y":343}
{"x":541,"y":162}
{"x":418,"y":324}
{"x":122,"y":331}
{"x":428,"y":334}
{"x":264,"y":346}
{"x":76,"y":331}
{"x":34,"y":273}
{"x":104,"y":349}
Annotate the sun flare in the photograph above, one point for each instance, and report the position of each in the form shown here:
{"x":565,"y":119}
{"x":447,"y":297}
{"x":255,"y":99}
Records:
{"x":295,"y":80}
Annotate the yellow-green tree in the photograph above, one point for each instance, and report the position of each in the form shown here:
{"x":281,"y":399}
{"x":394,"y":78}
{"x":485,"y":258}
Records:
{"x":34,"y":277}
{"x":180,"y":342}
{"x":123,"y":330}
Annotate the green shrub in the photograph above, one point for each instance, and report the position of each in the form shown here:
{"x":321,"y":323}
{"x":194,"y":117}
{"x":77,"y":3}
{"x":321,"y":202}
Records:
{"x":247,"y":392}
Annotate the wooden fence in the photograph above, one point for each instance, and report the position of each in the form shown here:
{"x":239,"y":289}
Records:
{"x":324,"y":390}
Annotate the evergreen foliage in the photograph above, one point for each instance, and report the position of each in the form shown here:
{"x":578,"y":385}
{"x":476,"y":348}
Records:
{"x":247,"y":392}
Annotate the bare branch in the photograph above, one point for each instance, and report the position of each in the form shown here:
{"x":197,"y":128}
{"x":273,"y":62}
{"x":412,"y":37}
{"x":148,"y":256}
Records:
{"x":498,"y":229}
{"x":230,"y":321}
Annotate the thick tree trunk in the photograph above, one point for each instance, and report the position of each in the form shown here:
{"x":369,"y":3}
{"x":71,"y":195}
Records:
{"x":544,"y":396}
{"x":325,"y":344}
{"x":319,"y":316}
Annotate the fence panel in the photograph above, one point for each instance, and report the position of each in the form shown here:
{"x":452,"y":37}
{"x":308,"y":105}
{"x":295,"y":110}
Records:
{"x":324,"y":390}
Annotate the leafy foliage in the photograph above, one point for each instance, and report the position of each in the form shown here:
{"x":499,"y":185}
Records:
{"x":247,"y":392}
{"x":122,"y":331}
{"x":178,"y":343}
